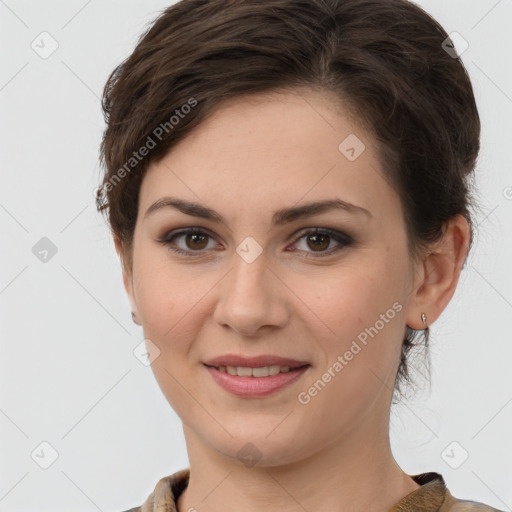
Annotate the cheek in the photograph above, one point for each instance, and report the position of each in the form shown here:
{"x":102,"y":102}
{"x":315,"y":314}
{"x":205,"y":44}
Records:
{"x":162,"y":287}
{"x":361,"y":328}
{"x":170,"y":307}
{"x":163,"y":295}
{"x":361,"y":357}
{"x":349,"y":300}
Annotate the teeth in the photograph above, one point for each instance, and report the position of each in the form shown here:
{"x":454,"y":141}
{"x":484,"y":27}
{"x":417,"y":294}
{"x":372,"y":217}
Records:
{"x":263,"y":371}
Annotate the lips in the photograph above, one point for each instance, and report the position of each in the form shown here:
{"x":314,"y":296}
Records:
{"x":256,"y":387}
{"x":254,"y":361}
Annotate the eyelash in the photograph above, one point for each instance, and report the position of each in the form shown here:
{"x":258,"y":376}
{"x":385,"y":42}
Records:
{"x":341,"y":238}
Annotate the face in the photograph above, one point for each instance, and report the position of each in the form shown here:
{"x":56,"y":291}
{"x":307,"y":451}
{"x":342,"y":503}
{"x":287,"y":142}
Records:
{"x":328,"y":286}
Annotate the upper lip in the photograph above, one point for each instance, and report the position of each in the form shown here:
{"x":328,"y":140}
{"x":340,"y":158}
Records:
{"x":254,"y":361}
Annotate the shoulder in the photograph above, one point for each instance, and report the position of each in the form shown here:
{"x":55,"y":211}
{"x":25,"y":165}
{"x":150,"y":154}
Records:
{"x":434,"y":496}
{"x":165,"y":494}
{"x":452,"y":504}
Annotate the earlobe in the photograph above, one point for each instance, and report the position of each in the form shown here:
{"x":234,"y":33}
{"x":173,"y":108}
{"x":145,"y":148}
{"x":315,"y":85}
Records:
{"x":440,"y":273}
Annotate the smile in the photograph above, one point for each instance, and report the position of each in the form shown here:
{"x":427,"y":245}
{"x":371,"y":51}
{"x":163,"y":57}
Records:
{"x":255,"y":382}
{"x":263,"y":371}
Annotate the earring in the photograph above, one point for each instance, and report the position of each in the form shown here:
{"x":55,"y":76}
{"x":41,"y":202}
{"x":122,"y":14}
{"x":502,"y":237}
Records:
{"x":424,"y":320}
{"x":134,"y":320}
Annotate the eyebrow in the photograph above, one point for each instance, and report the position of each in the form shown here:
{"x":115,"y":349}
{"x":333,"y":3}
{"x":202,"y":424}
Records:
{"x":280,"y":217}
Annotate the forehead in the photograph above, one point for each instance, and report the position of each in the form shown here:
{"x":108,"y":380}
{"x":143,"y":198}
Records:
{"x":259,"y":152}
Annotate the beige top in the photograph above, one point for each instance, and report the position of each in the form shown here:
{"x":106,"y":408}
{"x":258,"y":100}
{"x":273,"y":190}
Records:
{"x":431,"y":496}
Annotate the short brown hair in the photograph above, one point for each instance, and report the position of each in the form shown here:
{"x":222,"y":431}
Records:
{"x":384,"y":59}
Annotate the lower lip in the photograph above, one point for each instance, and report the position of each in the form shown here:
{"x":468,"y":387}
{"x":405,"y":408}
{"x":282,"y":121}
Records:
{"x":255,"y":386}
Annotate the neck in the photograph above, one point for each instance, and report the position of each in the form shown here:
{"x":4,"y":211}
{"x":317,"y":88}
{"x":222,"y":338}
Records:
{"x":355,"y":472}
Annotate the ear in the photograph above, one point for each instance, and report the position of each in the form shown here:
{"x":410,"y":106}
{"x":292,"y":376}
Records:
{"x":127,"y":276}
{"x":437,"y":279}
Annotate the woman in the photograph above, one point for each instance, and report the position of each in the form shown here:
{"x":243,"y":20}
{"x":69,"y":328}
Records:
{"x":287,"y":184}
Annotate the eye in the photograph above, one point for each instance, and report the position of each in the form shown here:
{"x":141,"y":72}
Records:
{"x":195,"y":240}
{"x":320,"y":240}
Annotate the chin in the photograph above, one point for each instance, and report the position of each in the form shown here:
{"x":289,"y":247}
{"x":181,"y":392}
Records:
{"x":257,"y":449}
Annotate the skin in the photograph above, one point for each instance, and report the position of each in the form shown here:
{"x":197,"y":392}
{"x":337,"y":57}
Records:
{"x":253,"y":156}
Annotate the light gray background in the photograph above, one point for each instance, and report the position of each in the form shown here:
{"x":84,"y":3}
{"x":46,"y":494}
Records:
{"x":68,"y":374}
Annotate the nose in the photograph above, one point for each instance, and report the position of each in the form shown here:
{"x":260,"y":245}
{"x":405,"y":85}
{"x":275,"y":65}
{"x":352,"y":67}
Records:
{"x":252,"y":298}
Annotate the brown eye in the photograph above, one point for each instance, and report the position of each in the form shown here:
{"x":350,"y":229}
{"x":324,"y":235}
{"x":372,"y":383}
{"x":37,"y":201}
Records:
{"x":196,"y":241}
{"x":193,"y":241}
{"x":318,"y":241}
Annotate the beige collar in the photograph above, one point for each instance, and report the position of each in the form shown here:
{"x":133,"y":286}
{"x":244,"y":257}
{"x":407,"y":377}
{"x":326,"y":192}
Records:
{"x":431,"y":496}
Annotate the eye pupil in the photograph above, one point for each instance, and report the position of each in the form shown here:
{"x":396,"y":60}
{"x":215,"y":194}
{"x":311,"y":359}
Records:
{"x":316,"y":237}
{"x":194,"y":237}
